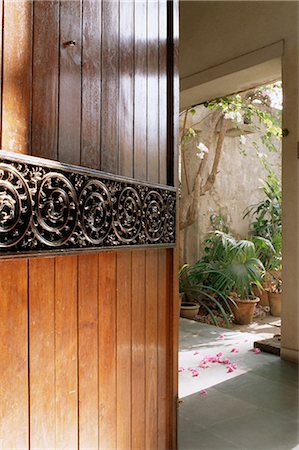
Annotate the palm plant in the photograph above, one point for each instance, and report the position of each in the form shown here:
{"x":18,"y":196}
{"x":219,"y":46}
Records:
{"x":236,"y":264}
{"x":194,"y":282}
{"x":267,"y":223}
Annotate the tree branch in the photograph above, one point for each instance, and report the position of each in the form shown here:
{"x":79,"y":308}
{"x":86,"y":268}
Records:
{"x":212,"y":176}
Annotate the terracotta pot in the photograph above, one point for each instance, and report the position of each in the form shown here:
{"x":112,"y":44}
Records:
{"x":244,"y":311}
{"x":263,"y":296}
{"x":189,"y":310}
{"x":275,"y":303}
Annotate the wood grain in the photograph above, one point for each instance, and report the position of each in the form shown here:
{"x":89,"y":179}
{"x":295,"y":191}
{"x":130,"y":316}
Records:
{"x":163,"y":91}
{"x":91,"y":84}
{"x":124,"y":350}
{"x":151,"y":351}
{"x":163,"y":351}
{"x":14,"y":392}
{"x":126,"y":89}
{"x":140,"y":91}
{"x":153,"y":92}
{"x":70,"y":83}
{"x":107,"y":351}
{"x":88,"y":351}
{"x":110,"y":84}
{"x":138,"y":350}
{"x":45,"y":72}
{"x":66,"y":350}
{"x":88,"y":344}
{"x":16,"y":81}
{"x":42,"y":352}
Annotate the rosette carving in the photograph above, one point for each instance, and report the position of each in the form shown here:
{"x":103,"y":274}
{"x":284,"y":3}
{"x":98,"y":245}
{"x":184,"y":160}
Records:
{"x":15,"y":206}
{"x":95,"y":211}
{"x":127,"y":215}
{"x":154,"y":215}
{"x":55,"y":215}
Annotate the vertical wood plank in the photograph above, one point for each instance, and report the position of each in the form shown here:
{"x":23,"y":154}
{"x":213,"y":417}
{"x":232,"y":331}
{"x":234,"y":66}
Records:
{"x":70,"y":82}
{"x":163,"y":352}
{"x":91,"y":84}
{"x":107,"y":351}
{"x":163,"y":91}
{"x":140,"y":92}
{"x":126,"y":88}
{"x":151,"y":427}
{"x":66,"y":347}
{"x":14,"y":427}
{"x":172,"y":178}
{"x":138,"y":350}
{"x":88,"y":351}
{"x":45,"y":79}
{"x":42,"y":352}
{"x":124,"y":349}
{"x":16,"y":82}
{"x":110,"y":86}
{"x":152,"y":92}
{"x":15,"y":136}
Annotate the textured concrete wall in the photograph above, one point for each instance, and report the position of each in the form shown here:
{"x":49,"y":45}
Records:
{"x":238,"y":183}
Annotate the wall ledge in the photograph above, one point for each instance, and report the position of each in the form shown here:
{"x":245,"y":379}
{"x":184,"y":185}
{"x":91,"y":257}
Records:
{"x":289,"y":354}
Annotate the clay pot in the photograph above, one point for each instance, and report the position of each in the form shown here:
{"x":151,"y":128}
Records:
{"x":263,"y":296}
{"x":244,"y":311}
{"x":189,"y":310}
{"x":275,"y":303}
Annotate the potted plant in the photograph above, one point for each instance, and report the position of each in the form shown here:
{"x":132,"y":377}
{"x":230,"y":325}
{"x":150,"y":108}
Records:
{"x":275,"y":292}
{"x":267,"y":231}
{"x":267,"y":254}
{"x":197,"y":289}
{"x":238,"y":270}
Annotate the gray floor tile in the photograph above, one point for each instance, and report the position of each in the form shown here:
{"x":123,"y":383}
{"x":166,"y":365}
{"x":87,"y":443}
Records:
{"x":193,"y":437}
{"x":261,"y":430}
{"x":255,"y":408}
{"x":214,"y":407}
{"x":264,"y":393}
{"x":280,"y":371}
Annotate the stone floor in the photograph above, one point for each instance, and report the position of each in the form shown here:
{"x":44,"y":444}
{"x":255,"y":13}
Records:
{"x":251,"y":406}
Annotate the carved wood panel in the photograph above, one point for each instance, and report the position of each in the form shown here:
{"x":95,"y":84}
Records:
{"x":48,"y":207}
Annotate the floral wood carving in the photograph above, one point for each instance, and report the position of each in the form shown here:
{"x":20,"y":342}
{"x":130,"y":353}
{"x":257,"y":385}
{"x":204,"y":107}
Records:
{"x":47,"y":207}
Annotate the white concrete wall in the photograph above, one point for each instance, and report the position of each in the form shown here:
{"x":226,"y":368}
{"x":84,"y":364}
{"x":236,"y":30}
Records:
{"x":238,"y":183}
{"x":214,"y":38}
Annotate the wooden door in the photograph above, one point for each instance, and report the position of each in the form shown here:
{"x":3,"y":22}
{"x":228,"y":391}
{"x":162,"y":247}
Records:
{"x":88,"y":344}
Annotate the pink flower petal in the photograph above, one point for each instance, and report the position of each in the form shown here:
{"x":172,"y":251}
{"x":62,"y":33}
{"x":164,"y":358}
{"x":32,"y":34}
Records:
{"x":230,"y":369}
{"x":257,"y":350}
{"x":195,"y":373}
{"x":224,"y":361}
{"x":181,"y":369}
{"x":213,"y":359}
{"x":221,"y":336}
{"x":234,"y":350}
{"x":204,"y":365}
{"x":219,"y":354}
{"x":203,"y":392}
{"x":196,"y":353}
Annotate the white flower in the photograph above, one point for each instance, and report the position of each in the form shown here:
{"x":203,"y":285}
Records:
{"x":261,"y":155}
{"x":202,"y":150}
{"x":239,"y":117}
{"x":230,"y":115}
{"x":234,"y":115}
{"x":202,"y":147}
{"x":243,"y":139}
